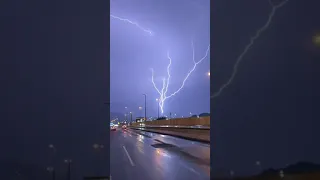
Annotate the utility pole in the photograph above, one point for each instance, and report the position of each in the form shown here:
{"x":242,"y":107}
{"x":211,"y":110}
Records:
{"x":145,"y":107}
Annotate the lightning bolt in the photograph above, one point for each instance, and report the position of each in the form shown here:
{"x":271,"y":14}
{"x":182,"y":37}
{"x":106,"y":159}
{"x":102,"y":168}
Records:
{"x":133,"y":23}
{"x":165,"y":82}
{"x":251,"y":43}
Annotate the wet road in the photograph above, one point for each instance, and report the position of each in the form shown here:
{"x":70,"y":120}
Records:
{"x":149,"y":156}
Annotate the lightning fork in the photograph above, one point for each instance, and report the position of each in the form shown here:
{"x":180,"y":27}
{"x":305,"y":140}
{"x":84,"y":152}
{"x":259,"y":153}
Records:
{"x":251,"y":43}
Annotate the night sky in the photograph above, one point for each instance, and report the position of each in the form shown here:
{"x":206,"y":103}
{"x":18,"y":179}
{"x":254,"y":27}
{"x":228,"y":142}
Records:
{"x":134,"y":52}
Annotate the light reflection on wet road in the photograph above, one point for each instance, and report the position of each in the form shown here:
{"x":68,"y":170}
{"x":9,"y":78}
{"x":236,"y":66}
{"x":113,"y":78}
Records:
{"x":149,"y":156}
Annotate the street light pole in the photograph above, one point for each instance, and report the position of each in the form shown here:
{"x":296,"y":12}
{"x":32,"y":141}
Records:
{"x":98,"y":150}
{"x":145,"y":107}
{"x":52,"y":171}
{"x":69,"y":170}
{"x":140,"y":108}
{"x":126,"y":113}
{"x":51,"y":146}
{"x":158,"y":106}
{"x":68,"y":161}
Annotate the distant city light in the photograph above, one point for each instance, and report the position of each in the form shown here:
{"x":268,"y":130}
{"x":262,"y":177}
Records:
{"x":316,"y":40}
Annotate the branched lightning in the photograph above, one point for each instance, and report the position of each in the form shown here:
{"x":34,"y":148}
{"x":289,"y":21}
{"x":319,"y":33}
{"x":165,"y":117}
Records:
{"x":165,"y":82}
{"x":133,"y":23}
{"x":247,"y":47}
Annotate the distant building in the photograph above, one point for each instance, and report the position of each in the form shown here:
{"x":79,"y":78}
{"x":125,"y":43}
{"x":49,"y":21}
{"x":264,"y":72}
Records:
{"x":139,"y":119}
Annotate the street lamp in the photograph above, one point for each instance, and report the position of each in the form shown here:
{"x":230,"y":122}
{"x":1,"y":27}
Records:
{"x":231,"y":173}
{"x":52,"y":171}
{"x":316,"y":39}
{"x":126,"y":110}
{"x":53,"y":148}
{"x":208,"y":74}
{"x":68,"y":161}
{"x":98,"y":148}
{"x":158,"y":107}
{"x":145,"y":107}
{"x":140,"y":108}
{"x":258,"y":163}
{"x":281,"y":174}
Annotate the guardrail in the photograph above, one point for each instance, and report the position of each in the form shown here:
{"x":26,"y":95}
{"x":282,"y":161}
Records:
{"x":190,"y":133}
{"x":191,"y":121}
{"x":176,"y":127}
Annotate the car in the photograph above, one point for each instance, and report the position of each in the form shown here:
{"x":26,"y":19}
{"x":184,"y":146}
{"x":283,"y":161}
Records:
{"x":124,"y":126}
{"x":113,"y":128}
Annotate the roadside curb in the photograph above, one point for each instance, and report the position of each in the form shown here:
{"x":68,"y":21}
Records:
{"x":174,"y":135}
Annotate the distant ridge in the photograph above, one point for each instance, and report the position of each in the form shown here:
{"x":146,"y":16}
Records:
{"x":298,"y":168}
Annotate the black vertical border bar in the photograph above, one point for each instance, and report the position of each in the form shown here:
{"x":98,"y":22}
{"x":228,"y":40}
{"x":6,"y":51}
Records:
{"x":215,"y":38}
{"x":211,"y":83}
{"x":97,"y":12}
{"x":105,"y":20}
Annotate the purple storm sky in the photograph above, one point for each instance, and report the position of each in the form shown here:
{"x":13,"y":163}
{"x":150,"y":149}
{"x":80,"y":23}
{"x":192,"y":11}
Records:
{"x":175,"y":24}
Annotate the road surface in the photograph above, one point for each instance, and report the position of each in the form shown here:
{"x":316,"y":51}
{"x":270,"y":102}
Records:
{"x":150,"y":156}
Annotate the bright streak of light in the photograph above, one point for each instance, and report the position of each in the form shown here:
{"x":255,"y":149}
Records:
{"x":165,"y":83}
{"x":251,"y":43}
{"x":133,"y":23}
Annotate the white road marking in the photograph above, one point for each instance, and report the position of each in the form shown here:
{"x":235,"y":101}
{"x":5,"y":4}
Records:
{"x":125,"y":150}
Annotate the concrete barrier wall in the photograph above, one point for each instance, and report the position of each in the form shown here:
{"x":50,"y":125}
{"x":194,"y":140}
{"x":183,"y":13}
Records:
{"x":201,"y":135}
{"x":203,"y":121}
